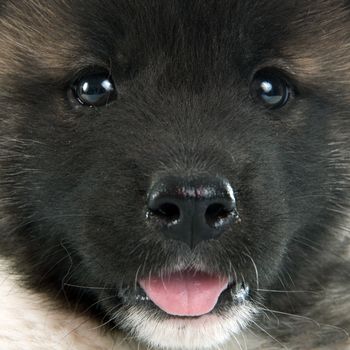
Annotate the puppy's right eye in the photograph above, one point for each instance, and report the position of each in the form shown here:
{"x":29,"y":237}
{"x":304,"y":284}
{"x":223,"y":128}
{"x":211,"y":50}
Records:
{"x":270,"y":88}
{"x":94,"y":89}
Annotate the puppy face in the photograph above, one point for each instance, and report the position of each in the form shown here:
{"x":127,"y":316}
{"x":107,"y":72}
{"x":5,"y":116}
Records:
{"x":175,"y":142}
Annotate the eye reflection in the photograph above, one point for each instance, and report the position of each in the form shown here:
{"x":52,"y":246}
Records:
{"x":266,"y":86}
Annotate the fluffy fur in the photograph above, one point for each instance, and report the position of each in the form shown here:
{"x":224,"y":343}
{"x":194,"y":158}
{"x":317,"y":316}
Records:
{"x":74,"y":179}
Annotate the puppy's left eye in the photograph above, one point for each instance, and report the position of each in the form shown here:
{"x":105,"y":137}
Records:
{"x":270,"y":88}
{"x":94,"y":89}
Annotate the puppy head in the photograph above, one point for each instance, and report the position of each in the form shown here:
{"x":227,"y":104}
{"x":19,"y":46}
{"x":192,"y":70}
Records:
{"x":158,"y":149}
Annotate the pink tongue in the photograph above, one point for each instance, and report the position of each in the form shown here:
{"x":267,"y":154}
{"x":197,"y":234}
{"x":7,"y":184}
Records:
{"x":185,"y":293}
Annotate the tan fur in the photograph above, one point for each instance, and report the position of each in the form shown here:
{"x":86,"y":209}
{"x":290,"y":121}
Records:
{"x":30,"y":322}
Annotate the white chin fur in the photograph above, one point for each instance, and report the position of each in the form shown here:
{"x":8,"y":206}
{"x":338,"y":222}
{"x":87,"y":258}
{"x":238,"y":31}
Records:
{"x":206,"y":332}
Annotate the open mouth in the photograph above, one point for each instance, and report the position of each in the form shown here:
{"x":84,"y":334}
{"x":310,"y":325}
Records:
{"x":186,"y":293}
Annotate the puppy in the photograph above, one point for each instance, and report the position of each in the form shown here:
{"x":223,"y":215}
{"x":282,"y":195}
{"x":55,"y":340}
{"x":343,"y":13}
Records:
{"x":174,"y":174}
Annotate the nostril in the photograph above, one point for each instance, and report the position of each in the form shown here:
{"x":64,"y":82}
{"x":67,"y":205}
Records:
{"x":216,"y":214}
{"x":191,"y":209}
{"x":167,"y":212}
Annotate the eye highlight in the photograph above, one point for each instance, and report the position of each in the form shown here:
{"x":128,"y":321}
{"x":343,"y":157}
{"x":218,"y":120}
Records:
{"x":94,"y":89}
{"x":270,"y":88}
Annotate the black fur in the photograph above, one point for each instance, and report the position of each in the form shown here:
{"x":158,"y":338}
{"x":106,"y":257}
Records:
{"x":74,"y":179}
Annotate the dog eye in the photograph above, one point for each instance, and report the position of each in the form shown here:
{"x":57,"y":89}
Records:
{"x":94,"y":89}
{"x":270,"y":88}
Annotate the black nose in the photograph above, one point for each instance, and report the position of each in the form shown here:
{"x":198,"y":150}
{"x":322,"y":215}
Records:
{"x":192,"y":210}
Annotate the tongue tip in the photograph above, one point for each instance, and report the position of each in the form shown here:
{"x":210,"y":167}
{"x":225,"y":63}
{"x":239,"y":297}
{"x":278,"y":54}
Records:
{"x":185,"y":293}
{"x":188,"y":313}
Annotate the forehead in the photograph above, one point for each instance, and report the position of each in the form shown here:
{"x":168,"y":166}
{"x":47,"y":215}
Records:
{"x":194,"y":35}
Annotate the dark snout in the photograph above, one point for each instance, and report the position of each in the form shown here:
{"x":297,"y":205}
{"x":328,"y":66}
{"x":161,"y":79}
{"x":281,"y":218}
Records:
{"x":192,"y":210}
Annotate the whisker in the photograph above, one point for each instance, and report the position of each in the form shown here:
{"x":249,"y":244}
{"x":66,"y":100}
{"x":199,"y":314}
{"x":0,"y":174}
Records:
{"x":264,"y":308}
{"x":286,"y":291}
{"x":87,"y":287}
{"x":269,"y":335}
{"x":318,"y":324}
{"x":255,"y":268}
{"x":137,"y":272}
{"x":237,"y":341}
{"x":87,"y":319}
